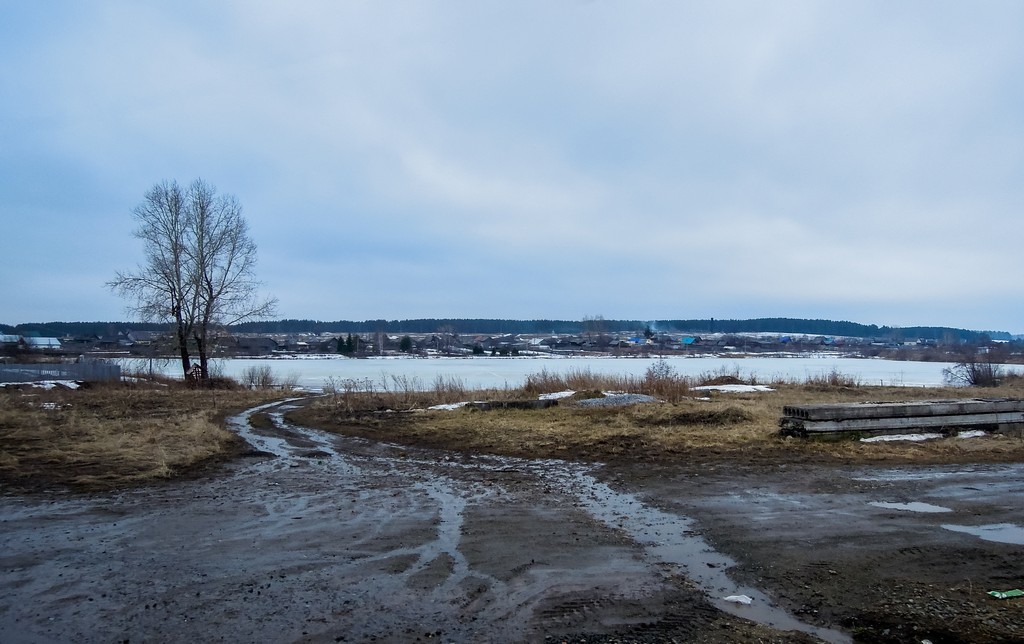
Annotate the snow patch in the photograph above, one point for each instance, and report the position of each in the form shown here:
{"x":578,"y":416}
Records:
{"x":556,"y":395}
{"x":974,"y":433}
{"x":745,"y":389}
{"x":901,"y":437}
{"x":913,"y":506}
{"x":449,"y":406}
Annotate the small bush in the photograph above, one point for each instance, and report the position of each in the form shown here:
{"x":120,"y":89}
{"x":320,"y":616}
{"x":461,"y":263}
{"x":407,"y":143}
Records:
{"x":833,"y":379}
{"x":546,"y":382}
{"x":661,"y":379}
{"x":258,"y":377}
{"x":289,"y":382}
{"x":448,"y":390}
{"x":973,"y":371}
{"x":723,"y":376}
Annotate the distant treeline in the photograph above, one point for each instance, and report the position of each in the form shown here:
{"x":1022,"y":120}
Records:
{"x":499,"y":326}
{"x":598,"y":325}
{"x":80,"y":329}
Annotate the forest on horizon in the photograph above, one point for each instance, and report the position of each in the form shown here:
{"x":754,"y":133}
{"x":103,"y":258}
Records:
{"x":494,"y":326}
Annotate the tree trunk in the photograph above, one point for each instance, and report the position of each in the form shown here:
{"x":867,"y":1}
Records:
{"x":186,"y":360}
{"x":204,"y":361}
{"x":182,"y":333}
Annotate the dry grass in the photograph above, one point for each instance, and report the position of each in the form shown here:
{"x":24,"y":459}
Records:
{"x":112,"y":435}
{"x":402,"y":393}
{"x":660,"y":379}
{"x":740,"y":426}
{"x":109,"y":436}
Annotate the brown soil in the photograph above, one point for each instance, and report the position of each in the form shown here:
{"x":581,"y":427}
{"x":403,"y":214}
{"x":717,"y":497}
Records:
{"x":420,"y":534}
{"x":891,"y":584}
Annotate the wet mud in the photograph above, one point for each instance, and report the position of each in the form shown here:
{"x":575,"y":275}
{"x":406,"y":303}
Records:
{"x":325,"y":538}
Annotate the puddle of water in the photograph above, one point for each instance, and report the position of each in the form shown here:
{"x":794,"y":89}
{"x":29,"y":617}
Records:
{"x":271,"y":444}
{"x":451,"y":508}
{"x":998,"y":532}
{"x":672,"y":540}
{"x":903,"y":475}
{"x":913,"y":506}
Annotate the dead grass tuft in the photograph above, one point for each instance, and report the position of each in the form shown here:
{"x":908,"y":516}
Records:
{"x":660,"y":379}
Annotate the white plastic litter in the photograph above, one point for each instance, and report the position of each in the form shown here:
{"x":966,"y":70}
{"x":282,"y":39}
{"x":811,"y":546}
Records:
{"x":739,"y":599}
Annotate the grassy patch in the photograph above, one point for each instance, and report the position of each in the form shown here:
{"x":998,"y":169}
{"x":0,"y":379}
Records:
{"x":740,"y":426}
{"x":112,"y":435}
{"x":116,"y":435}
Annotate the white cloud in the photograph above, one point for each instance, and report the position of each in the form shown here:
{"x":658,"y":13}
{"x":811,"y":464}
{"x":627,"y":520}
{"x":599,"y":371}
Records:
{"x":863,"y":159}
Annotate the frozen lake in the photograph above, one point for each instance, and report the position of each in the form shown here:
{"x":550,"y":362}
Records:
{"x":311,"y":372}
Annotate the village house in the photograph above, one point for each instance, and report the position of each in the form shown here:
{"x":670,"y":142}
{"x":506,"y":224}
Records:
{"x":41,"y":344}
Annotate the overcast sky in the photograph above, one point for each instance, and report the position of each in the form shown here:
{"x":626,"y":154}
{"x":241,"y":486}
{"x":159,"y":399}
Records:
{"x":857,"y":161}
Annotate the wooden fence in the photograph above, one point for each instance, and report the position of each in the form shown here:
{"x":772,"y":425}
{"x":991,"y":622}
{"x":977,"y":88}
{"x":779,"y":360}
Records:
{"x":87,"y":371}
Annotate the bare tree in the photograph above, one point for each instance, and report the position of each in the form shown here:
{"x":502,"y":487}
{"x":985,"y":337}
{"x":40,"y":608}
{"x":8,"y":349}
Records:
{"x":199,"y":266}
{"x":975,"y":370}
{"x":593,"y":327}
{"x":223,"y":258}
{"x":447,"y":337}
{"x":161,"y":288}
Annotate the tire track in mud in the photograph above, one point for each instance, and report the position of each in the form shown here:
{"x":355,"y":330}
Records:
{"x":434,"y":566}
{"x":667,"y":539}
{"x":454,"y":485}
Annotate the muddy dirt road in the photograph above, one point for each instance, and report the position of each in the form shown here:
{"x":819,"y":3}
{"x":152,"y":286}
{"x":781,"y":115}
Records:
{"x":326,"y":538}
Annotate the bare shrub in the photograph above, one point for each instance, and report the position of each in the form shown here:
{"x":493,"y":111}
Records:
{"x":289,"y":382}
{"x":974,"y":370}
{"x":662,"y":380}
{"x":660,"y":369}
{"x":348,"y":393}
{"x":544,"y":382}
{"x":833,"y":379}
{"x":258,"y":377}
{"x":449,"y":390}
{"x":1014,"y":378}
{"x":398,"y":392}
{"x":215,"y":369}
{"x":580,"y":379}
{"x":547,"y":382}
{"x":331,"y":386}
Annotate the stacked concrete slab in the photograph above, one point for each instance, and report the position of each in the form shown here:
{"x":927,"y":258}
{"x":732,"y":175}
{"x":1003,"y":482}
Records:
{"x":877,"y":419}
